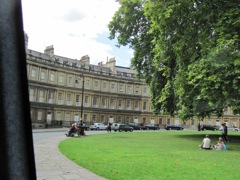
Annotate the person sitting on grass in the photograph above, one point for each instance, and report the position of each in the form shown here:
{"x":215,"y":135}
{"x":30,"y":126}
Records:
{"x":219,"y":145}
{"x":206,"y":143}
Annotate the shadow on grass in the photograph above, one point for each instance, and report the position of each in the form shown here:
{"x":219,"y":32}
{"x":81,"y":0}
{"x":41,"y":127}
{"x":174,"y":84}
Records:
{"x":232,"y":138}
{"x":232,"y":145}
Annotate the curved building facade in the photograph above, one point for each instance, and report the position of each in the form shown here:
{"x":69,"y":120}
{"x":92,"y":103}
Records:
{"x":64,"y":90}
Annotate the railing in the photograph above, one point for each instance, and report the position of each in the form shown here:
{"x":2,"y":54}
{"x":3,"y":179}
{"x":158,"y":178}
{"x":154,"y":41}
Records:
{"x":90,"y":68}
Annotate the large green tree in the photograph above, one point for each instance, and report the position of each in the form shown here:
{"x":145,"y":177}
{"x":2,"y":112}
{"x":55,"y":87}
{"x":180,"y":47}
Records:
{"x":187,"y":50}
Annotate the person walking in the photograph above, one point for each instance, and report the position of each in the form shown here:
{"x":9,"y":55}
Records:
{"x":109,"y":127}
{"x":199,"y":126}
{"x":224,"y":132}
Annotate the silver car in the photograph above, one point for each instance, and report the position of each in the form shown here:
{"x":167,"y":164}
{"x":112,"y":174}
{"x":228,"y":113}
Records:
{"x":232,"y":128}
{"x":98,"y":126}
{"x":115,"y":126}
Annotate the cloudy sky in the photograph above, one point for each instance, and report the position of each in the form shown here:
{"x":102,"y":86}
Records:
{"x":75,"y":28}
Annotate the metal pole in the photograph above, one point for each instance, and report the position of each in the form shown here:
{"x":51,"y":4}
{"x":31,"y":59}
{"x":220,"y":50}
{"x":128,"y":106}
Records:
{"x":16,"y":152}
{"x":82,"y":96}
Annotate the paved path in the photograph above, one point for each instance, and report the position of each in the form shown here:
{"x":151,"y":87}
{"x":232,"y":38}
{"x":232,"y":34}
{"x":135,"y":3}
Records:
{"x":52,"y":165}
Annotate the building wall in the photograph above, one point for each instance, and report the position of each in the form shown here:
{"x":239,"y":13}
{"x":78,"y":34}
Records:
{"x":56,"y":88}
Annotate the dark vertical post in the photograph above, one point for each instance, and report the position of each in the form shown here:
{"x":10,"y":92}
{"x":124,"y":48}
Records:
{"x":82,"y":96}
{"x":16,"y":151}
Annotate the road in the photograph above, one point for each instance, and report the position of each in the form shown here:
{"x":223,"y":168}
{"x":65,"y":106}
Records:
{"x":45,"y":135}
{"x":48,"y":133}
{"x":40,"y":135}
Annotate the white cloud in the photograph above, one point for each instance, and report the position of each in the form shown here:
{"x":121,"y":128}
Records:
{"x":72,"y":26}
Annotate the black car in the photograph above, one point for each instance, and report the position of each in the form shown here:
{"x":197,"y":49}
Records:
{"x":135,"y":126}
{"x":209,"y":127}
{"x":85,"y":127}
{"x":150,"y":126}
{"x":173,"y":127}
{"x":125,"y":127}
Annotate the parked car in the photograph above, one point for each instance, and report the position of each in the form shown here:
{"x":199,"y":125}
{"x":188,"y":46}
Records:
{"x":135,"y":126}
{"x":86,"y":127}
{"x":231,"y":128}
{"x":124,"y":127}
{"x":173,"y":127}
{"x":209,"y":127}
{"x":98,"y":126}
{"x":150,"y":126}
{"x":115,"y":126}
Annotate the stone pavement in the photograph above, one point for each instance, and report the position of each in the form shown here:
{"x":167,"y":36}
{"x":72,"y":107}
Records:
{"x":52,"y":165}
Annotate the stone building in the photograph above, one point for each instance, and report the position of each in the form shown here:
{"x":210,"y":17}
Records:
{"x":64,"y":90}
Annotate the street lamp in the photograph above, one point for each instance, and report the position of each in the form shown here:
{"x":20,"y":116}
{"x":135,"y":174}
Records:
{"x":81,"y":132}
{"x":81,"y":124}
{"x":82,"y":96}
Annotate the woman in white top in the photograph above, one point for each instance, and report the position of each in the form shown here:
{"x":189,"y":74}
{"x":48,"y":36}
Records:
{"x":219,"y":145}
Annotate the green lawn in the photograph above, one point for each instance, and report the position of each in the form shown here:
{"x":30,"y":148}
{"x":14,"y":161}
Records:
{"x":154,"y":155}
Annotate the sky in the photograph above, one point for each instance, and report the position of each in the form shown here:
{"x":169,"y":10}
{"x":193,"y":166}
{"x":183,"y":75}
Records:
{"x":75,"y":28}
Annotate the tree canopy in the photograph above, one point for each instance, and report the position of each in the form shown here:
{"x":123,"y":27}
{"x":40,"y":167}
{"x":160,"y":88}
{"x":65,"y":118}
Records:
{"x":186,"y":50}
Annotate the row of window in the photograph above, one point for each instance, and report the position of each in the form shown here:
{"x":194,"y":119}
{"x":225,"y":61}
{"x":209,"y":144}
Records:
{"x":95,"y":117}
{"x":67,"y":116}
{"x":73,"y":80}
{"x":96,"y":101}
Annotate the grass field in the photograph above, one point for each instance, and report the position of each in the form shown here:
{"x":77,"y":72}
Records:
{"x":154,"y":155}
